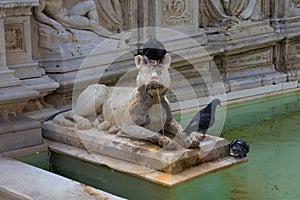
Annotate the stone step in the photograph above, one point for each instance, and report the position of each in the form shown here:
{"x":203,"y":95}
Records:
{"x":25,"y":182}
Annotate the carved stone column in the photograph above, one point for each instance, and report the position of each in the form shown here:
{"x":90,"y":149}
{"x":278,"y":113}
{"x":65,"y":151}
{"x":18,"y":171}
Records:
{"x":16,"y":131}
{"x":242,"y":29}
{"x":286,"y":20}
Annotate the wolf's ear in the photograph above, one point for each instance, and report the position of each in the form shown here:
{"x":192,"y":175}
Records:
{"x":138,"y":59}
{"x":167,"y":60}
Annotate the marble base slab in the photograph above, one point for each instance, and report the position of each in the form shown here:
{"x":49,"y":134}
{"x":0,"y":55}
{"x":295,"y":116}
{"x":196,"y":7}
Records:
{"x":137,"y":151}
{"x":157,"y":177}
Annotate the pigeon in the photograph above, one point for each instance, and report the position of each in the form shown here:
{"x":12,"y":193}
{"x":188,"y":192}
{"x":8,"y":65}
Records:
{"x":239,"y":148}
{"x":153,"y":49}
{"x":204,"y":118}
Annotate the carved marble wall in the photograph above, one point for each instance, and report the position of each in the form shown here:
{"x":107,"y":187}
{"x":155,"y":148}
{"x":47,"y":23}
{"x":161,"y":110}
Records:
{"x":239,"y":36}
{"x":254,"y":43}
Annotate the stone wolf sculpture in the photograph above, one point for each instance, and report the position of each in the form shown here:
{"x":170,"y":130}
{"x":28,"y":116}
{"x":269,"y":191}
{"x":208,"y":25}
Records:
{"x":142,"y":112}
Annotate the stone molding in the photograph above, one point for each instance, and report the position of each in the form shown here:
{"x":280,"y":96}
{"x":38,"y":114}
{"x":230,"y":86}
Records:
{"x":19,"y":3}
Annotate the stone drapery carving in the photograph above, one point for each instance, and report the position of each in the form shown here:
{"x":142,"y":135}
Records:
{"x":110,"y":14}
{"x":228,"y":12}
{"x":82,"y":16}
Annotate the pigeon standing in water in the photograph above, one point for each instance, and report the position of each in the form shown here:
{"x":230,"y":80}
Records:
{"x":204,"y":118}
{"x":239,"y":148}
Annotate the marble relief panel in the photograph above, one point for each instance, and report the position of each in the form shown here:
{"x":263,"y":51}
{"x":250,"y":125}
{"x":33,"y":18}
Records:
{"x":14,"y":38}
{"x":176,"y":13}
{"x":293,"y":51}
{"x":249,"y":59}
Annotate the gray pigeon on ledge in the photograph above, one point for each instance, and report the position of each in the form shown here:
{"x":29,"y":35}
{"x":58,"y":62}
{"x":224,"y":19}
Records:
{"x":204,"y":119}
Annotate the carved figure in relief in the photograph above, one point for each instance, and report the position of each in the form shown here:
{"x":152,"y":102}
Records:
{"x":142,"y":112}
{"x":228,"y":12}
{"x":82,"y":16}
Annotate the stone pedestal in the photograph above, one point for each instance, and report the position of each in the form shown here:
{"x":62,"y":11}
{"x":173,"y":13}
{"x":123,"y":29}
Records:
{"x":16,"y":131}
{"x":138,"y":151}
{"x":19,"y":52}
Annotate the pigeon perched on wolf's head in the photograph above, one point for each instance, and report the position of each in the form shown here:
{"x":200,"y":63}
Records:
{"x":204,"y":118}
{"x":154,"y":49}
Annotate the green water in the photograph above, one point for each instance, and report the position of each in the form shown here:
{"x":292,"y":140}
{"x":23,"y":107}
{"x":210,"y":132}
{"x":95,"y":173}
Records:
{"x":272,"y":128}
{"x":40,"y":160}
{"x":272,"y":171}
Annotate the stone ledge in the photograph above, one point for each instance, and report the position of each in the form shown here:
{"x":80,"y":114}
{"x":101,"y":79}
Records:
{"x":162,"y":178}
{"x":137,"y":151}
{"x":25,"y":151}
{"x":22,"y":181}
{"x":20,"y":3}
